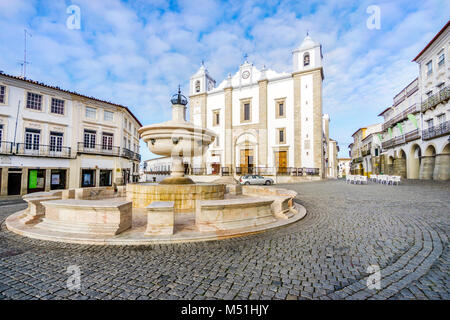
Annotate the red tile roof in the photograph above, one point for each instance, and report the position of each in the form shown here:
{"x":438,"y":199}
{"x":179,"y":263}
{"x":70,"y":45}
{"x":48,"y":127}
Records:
{"x":432,"y":40}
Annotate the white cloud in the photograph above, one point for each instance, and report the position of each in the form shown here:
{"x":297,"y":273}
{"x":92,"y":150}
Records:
{"x":136,"y":53}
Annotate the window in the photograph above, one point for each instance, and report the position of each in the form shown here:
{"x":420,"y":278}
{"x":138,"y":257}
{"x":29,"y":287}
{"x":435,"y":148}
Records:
{"x":281,"y":136}
{"x":429,"y":123}
{"x":197,"y":86}
{"x":441,"y":118}
{"x":56,"y":141}
{"x":306,"y":59}
{"x":216,"y":117}
{"x":429,"y":67}
{"x":32,"y":138}
{"x":2,"y":94}
{"x":105,"y":178}
{"x":247,"y":111}
{"x":1,"y":134}
{"x":441,"y":59}
{"x":91,"y":113}
{"x":107,"y":141}
{"x":217,"y":144}
{"x":108,"y":115}
{"x":280,"y":108}
{"x":34,"y":101}
{"x":57,"y":106}
{"x":89,"y":139}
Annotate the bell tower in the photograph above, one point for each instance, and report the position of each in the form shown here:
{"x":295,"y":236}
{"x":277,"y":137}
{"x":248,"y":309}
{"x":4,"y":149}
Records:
{"x":307,"y":56}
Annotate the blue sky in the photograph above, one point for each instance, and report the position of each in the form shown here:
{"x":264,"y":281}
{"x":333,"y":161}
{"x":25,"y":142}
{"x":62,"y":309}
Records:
{"x":136,"y":53}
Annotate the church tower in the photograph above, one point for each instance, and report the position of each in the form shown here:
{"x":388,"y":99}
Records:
{"x":200,"y":83}
{"x":307,"y":74}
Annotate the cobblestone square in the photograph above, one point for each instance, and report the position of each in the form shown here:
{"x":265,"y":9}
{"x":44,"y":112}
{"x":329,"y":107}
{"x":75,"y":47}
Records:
{"x":402,"y":229}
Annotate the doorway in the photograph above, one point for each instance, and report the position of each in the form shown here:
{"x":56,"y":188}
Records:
{"x":247,"y":161}
{"x":281,"y":161}
{"x":215,"y":168}
{"x":14,"y":183}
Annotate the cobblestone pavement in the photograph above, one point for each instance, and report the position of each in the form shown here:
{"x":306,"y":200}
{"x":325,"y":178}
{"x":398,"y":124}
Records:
{"x":401,"y":229}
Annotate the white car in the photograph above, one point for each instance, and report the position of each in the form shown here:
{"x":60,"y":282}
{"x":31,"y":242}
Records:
{"x":255,"y":179}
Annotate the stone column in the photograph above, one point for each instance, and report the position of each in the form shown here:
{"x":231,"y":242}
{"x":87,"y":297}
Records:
{"x":317,"y":124}
{"x":229,"y":129}
{"x":390,"y":169}
{"x":97,"y":177}
{"x":426,"y":167}
{"x":4,"y":182}
{"x":400,"y":167}
{"x":442,"y":167}
{"x":48,"y":178}
{"x":297,"y":121}
{"x":24,"y":185}
{"x":262,"y":131}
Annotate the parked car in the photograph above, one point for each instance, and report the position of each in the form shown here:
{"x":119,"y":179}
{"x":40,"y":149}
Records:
{"x":255,"y":179}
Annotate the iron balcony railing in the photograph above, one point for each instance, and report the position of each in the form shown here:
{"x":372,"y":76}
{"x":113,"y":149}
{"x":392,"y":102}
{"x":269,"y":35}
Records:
{"x":436,"y":131}
{"x":435,"y":99}
{"x":106,"y":149}
{"x":401,"y":116}
{"x":404,"y":138}
{"x":6,"y":147}
{"x":40,"y":150}
{"x":127,"y":153}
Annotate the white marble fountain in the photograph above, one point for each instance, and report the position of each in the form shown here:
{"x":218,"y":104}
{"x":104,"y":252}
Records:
{"x":175,"y":210}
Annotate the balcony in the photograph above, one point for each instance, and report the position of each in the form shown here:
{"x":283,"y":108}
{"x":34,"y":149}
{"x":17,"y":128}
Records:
{"x":401,"y":116}
{"x":441,"y":96}
{"x":436,"y":131}
{"x":6,"y":147}
{"x":40,"y":150}
{"x":127,"y":153}
{"x":102,"y":149}
{"x":404,"y":138}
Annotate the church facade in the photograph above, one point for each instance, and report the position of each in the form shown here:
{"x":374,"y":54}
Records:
{"x":266,"y":122}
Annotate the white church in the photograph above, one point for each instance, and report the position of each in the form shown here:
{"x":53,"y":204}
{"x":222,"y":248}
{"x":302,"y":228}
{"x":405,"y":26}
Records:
{"x":266,"y":122}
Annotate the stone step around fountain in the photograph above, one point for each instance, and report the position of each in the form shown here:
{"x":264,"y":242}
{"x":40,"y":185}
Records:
{"x":94,"y":217}
{"x":160,"y":218}
{"x":237,"y":213}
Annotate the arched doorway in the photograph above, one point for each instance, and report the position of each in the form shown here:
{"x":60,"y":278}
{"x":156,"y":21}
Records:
{"x":414,"y":162}
{"x":427,"y":163}
{"x":442,"y":164}
{"x":400,"y":164}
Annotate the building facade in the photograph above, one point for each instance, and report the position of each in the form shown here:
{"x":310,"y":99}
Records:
{"x":57,"y":139}
{"x":416,"y":128}
{"x":267,"y":122}
{"x":344,"y":167}
{"x":366,"y":143}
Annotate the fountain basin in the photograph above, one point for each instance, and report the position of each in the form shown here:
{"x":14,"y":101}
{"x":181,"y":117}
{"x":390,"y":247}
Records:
{"x":184,"y":196}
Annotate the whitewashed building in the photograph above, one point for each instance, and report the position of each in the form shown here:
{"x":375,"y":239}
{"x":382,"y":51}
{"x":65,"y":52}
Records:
{"x":267,"y":122}
{"x":55,"y":139}
{"x":416,"y":128}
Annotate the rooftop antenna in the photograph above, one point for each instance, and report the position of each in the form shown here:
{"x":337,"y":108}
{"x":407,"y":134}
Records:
{"x":25,"y":62}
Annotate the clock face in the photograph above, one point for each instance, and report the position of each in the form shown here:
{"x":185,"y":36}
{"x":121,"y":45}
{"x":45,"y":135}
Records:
{"x":245,"y":74}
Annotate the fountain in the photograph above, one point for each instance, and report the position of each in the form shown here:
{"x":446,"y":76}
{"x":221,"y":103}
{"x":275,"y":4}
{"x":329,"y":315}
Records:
{"x":174,"y":210}
{"x":177,"y":138}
